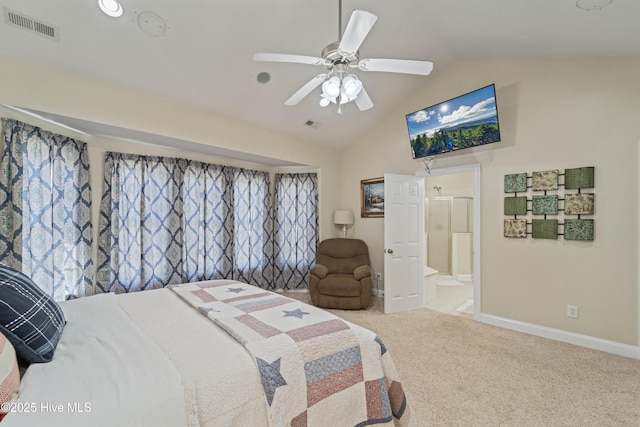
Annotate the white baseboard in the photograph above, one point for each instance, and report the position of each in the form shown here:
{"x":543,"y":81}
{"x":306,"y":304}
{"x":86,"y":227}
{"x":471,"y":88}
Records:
{"x":613,"y":347}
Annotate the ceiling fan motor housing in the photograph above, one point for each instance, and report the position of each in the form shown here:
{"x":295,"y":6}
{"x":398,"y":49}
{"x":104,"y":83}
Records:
{"x":333,"y":57}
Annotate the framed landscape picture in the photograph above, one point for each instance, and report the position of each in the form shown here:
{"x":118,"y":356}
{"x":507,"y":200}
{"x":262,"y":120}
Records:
{"x":372,"y":198}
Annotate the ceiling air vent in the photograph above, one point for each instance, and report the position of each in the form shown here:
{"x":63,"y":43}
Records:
{"x":25,"y":22}
{"x":312,"y":124}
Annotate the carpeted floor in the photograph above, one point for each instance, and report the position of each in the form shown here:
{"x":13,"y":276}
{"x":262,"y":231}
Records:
{"x":457,"y":372}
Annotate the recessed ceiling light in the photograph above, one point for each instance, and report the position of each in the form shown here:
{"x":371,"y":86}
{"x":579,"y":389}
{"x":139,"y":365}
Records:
{"x":593,"y":4}
{"x":111,"y":7}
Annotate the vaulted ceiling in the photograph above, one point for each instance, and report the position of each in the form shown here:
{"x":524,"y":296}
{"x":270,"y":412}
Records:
{"x":200,"y":52}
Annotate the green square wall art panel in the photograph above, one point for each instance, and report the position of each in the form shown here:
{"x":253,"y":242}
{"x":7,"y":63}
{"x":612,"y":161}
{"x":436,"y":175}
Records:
{"x":515,"y":183}
{"x":579,"y":178}
{"x":515,"y":228}
{"x":578,"y":204}
{"x":544,"y":229}
{"x":545,"y":205}
{"x":515,"y":205}
{"x":578,"y":229}
{"x":545,"y":181}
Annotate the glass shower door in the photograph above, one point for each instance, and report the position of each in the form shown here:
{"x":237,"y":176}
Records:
{"x":439,"y":234}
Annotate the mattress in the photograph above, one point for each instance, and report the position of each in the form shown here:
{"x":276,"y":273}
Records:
{"x":153,"y":359}
{"x":106,"y":371}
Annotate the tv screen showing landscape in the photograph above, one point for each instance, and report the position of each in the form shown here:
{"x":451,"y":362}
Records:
{"x":466,"y":121}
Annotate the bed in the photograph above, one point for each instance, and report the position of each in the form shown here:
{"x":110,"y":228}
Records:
{"x":214,"y":353}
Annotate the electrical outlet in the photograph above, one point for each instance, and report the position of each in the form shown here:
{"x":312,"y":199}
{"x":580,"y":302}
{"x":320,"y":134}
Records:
{"x":572,"y":311}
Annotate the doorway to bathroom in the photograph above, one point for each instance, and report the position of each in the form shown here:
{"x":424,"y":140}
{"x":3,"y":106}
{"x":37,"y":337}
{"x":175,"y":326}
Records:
{"x":452,"y":240}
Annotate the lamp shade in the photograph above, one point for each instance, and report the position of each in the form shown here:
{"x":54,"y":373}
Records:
{"x":331,"y":87}
{"x":343,"y":217}
{"x":352,"y":86}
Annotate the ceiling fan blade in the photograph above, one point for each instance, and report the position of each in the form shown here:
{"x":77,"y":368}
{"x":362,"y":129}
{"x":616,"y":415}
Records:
{"x":363,"y":101}
{"x":306,"y":89}
{"x":357,"y":29}
{"x":283,"y":57}
{"x":405,"y":66}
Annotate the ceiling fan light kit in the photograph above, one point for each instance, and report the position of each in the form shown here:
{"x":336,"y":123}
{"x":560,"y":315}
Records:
{"x":339,"y":86}
{"x":352,"y":85}
{"x":331,"y":87}
{"x":347,"y":88}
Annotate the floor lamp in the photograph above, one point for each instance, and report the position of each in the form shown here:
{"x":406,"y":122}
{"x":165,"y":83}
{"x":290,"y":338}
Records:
{"x":343,"y":218}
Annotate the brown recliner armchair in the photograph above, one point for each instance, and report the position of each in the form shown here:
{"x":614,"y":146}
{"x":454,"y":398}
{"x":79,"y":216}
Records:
{"x":341,"y":277}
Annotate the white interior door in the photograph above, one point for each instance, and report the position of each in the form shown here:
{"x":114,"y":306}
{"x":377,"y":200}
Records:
{"x":403,"y":242}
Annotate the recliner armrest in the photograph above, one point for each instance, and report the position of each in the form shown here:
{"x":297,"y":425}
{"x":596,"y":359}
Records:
{"x":320,"y":270}
{"x":362,"y":272}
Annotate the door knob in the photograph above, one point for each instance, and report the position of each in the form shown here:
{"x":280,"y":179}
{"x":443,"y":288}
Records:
{"x":389,"y":251}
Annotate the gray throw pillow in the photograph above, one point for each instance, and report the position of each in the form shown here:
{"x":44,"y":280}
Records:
{"x":30,"y":319}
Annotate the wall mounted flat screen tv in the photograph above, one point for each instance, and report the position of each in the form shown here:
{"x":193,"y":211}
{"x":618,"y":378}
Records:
{"x":463,"y":122}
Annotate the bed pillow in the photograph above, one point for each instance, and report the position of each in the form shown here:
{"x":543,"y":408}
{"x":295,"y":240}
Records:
{"x":9,"y":374}
{"x":30,"y":319}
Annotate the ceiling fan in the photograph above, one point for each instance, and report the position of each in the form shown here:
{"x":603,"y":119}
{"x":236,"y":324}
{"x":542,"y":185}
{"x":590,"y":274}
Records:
{"x":339,"y":85}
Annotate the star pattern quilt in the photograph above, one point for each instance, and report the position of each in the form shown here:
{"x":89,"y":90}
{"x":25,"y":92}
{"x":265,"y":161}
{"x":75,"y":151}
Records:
{"x":315,"y":368}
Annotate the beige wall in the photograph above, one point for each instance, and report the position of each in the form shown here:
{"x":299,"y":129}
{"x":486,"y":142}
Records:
{"x":554,"y":114}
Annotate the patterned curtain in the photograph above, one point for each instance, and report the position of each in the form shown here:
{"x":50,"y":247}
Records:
{"x":45,"y":209}
{"x":165,"y":221}
{"x":296,"y":229}
{"x":140,"y":242}
{"x":253,"y":225}
{"x":208,"y":222}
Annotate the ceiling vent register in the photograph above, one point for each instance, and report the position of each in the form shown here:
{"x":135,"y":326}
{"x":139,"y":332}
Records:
{"x":32,"y":25}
